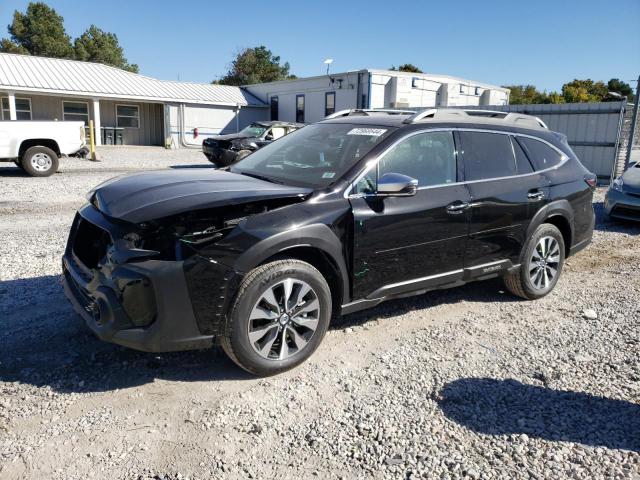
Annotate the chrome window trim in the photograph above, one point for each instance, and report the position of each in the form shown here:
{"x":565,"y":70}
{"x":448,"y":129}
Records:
{"x":374,"y":162}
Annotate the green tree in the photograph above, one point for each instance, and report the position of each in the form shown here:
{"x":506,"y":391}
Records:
{"x":255,"y":65}
{"x":618,"y":86}
{"x":38,"y":31}
{"x":7,"y":46}
{"x":526,"y":94}
{"x":406,"y":67}
{"x":584,"y":91}
{"x":96,"y":45}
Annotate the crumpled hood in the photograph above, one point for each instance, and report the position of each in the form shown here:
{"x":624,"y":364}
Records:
{"x":631,"y":179}
{"x":142,"y":197}
{"x":230,"y":136}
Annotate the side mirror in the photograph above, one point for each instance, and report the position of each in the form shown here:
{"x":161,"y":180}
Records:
{"x":397,"y":185}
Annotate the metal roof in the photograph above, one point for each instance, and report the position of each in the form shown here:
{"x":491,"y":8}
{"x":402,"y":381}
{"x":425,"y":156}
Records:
{"x":28,"y":73}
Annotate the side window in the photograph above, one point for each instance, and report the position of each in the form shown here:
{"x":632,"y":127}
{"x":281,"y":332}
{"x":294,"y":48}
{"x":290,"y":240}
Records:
{"x":523,"y":164}
{"x":487,"y":155}
{"x":429,"y":157}
{"x":541,"y":155}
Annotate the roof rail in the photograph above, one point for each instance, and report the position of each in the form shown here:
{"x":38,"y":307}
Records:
{"x":369,"y":111}
{"x":514,"y":118}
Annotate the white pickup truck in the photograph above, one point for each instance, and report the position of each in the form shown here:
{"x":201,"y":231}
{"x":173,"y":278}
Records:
{"x":36,"y":147}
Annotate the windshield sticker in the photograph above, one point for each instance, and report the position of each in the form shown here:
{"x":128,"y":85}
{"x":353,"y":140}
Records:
{"x":328,"y":174}
{"x":370,"y":132}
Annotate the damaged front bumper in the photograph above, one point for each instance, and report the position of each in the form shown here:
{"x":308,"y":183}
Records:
{"x":143,"y":305}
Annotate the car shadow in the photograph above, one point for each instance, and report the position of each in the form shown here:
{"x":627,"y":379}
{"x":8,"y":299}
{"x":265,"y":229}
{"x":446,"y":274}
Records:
{"x":43,"y":342}
{"x":508,"y":407}
{"x":605,"y":223}
{"x":12,"y":171}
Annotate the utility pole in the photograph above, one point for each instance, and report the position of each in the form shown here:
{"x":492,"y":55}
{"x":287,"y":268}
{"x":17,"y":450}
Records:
{"x":634,"y":124}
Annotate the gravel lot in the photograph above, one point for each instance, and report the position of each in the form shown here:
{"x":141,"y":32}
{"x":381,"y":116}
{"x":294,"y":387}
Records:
{"x":465,"y":383}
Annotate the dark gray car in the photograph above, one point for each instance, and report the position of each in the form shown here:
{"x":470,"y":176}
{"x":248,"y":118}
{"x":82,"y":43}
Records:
{"x":623,"y":197}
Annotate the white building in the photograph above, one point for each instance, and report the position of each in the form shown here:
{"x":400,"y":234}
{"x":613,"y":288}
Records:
{"x":311,"y":99}
{"x":145,"y":111}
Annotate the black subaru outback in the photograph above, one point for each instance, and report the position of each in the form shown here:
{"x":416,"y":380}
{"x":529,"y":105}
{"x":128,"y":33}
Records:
{"x":334,"y":218}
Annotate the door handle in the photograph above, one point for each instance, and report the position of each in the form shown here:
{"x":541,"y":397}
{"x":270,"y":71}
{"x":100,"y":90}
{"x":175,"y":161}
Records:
{"x":535,"y":195}
{"x":457,"y":207}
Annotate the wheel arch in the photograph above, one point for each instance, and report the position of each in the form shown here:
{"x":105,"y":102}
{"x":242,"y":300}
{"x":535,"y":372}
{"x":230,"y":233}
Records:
{"x":314,"y":244}
{"x":38,"y":142}
{"x":559,"y":214}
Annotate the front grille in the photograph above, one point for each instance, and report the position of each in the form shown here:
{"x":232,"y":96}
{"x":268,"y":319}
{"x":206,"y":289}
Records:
{"x":90,"y":243}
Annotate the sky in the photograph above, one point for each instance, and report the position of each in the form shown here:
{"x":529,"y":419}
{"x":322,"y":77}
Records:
{"x":545,"y":43}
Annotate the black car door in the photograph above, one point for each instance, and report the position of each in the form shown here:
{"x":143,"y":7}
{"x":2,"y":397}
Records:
{"x":505,"y":194}
{"x":409,"y":243}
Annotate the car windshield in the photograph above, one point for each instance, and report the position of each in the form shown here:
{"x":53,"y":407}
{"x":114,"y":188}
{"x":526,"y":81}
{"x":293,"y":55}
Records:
{"x":314,"y":156}
{"x":253,"y":130}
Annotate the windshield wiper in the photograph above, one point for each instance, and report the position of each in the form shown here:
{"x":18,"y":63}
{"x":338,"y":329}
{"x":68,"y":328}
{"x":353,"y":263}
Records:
{"x":261,"y":177}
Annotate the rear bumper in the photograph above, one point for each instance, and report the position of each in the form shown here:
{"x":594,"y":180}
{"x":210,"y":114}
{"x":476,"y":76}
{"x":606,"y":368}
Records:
{"x":622,"y":205}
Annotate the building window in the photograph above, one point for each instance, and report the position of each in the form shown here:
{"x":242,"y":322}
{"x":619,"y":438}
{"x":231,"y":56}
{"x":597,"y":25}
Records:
{"x":300,"y":108}
{"x":23,"y":109}
{"x":274,"y":108}
{"x":75,"y":112}
{"x":128,"y":116}
{"x":477,"y":90}
{"x":329,"y":103}
{"x":461,"y":88}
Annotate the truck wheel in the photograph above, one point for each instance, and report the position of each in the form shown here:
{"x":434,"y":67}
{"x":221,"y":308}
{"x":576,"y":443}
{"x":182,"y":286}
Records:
{"x":279,"y":317}
{"x":19,"y":165}
{"x":540,"y":264}
{"x":39,"y":161}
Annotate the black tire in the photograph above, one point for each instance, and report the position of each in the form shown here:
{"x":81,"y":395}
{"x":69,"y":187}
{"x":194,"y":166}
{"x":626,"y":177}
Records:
{"x":236,"y":342}
{"x":521,"y":283}
{"x":39,"y":161}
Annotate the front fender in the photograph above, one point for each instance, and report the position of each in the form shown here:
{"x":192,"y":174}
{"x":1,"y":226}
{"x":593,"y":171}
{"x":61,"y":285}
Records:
{"x":316,"y":236}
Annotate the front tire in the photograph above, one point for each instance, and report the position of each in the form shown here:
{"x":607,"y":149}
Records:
{"x":39,"y":161}
{"x":541,"y":264}
{"x":279,"y":317}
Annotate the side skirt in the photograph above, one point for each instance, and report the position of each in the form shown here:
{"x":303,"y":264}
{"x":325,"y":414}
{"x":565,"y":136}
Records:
{"x":421,"y":285}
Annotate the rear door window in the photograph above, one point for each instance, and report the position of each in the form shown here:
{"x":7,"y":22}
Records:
{"x":541,"y":155}
{"x":487,"y":155}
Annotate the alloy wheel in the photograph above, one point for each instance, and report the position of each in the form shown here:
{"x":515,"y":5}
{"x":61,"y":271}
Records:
{"x":284,"y":319}
{"x":544,"y":262}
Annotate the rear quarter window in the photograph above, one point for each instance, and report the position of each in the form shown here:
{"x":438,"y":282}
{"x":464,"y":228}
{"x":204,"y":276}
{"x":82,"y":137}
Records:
{"x":542,"y":156}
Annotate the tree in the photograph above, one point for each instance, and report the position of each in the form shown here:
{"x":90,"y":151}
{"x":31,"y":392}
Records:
{"x":618,"y":86}
{"x":255,"y":65}
{"x":407,"y":67}
{"x":39,"y":31}
{"x":583,"y":91}
{"x":96,"y":45}
{"x":525,"y":94}
{"x":7,"y":46}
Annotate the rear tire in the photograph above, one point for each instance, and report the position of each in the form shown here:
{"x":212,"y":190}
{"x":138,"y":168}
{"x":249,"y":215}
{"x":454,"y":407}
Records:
{"x":541,"y":264}
{"x":268,"y":334}
{"x":39,"y":161}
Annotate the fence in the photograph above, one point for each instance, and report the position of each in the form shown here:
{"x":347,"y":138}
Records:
{"x":592,"y":129}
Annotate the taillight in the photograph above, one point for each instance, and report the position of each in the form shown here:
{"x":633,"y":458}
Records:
{"x":591,"y":180}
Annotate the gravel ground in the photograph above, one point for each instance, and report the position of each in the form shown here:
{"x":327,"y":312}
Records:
{"x":465,"y":383}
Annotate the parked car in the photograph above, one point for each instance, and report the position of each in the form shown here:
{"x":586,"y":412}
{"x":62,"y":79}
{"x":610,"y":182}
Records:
{"x":224,"y":150}
{"x":622,"y":200}
{"x":36,"y":147}
{"x":334,"y":218}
